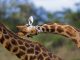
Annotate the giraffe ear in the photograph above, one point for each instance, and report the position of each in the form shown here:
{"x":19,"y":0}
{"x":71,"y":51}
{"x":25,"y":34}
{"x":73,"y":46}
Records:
{"x":30,"y":20}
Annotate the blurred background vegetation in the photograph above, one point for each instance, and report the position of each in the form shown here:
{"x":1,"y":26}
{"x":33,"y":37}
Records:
{"x":14,"y":12}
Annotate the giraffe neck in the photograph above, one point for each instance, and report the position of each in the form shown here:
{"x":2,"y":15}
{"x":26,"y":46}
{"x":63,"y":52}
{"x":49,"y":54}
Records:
{"x":65,"y":30}
{"x":24,"y":49}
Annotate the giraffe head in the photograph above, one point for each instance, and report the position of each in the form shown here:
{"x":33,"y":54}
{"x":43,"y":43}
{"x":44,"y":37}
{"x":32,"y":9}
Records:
{"x":26,"y":30}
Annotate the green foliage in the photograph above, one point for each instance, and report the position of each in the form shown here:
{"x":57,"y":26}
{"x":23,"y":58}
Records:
{"x":49,"y":39}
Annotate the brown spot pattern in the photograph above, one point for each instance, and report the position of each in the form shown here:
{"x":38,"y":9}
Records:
{"x":2,"y":39}
{"x":8,"y":46}
{"x":15,"y":49}
{"x":20,"y":53}
{"x":20,"y":42}
{"x":48,"y":58}
{"x":50,"y":54}
{"x":52,"y":28}
{"x":36,"y":52}
{"x":27,"y":45}
{"x":60,"y":29}
{"x":46,"y":27}
{"x":70,"y":31}
{"x":31,"y":45}
{"x":40,"y":57}
{"x":13,"y":41}
{"x":4,"y":31}
{"x":30,"y":51}
{"x":37,"y":48}
{"x":6,"y":36}
{"x":44,"y":54}
{"x":25,"y":58}
{"x":32,"y":57}
{"x":22,"y":47}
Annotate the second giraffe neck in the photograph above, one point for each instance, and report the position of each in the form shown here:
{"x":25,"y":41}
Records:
{"x":65,"y":30}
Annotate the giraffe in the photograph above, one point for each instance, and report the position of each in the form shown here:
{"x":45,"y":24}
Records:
{"x":24,"y":49}
{"x":56,"y":28}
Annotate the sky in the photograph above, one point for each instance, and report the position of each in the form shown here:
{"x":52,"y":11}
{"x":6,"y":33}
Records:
{"x":55,"y":5}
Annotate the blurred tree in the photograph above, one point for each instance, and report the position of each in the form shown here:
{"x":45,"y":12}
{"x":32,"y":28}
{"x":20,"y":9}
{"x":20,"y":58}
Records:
{"x":72,"y":17}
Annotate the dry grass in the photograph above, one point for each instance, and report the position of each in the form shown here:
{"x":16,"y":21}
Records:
{"x":6,"y":55}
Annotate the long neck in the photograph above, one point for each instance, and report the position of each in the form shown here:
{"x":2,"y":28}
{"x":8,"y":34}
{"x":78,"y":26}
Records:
{"x":11,"y":42}
{"x":24,"y":49}
{"x":65,"y":30}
